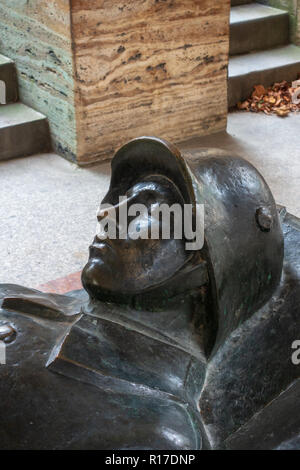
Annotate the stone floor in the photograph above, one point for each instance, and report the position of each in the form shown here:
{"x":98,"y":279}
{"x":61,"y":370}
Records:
{"x":48,"y":205}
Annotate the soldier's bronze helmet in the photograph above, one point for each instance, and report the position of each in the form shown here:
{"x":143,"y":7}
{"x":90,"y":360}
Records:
{"x":243,"y":240}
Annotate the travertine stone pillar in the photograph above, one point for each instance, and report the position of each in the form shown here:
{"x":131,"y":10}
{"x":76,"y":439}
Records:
{"x":105,"y":71}
{"x":36,"y":34}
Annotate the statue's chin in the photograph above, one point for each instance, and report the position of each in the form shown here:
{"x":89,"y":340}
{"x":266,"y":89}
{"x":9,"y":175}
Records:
{"x":96,"y":277}
{"x":100,"y":283}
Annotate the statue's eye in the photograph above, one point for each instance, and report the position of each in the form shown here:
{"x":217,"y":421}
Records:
{"x":145,"y":196}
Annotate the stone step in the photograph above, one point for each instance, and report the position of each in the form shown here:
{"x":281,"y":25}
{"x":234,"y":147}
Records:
{"x":8,"y":76}
{"x":23,"y":131}
{"x":255,"y":27}
{"x":265,"y":68}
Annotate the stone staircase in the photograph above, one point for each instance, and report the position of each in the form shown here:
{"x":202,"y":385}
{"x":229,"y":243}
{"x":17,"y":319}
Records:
{"x":23,"y":131}
{"x":260,"y":52}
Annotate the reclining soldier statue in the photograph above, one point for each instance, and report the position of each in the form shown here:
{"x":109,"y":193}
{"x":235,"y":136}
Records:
{"x":166,"y":347}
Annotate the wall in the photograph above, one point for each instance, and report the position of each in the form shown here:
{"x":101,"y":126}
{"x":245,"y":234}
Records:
{"x":37,"y":35}
{"x":145,"y":67}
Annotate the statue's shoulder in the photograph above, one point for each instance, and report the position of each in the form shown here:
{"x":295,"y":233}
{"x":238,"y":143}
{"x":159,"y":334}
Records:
{"x":31,"y":320}
{"x":31,"y":302}
{"x":63,"y":386}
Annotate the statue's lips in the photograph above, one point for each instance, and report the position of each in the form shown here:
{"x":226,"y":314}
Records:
{"x":98,"y":249}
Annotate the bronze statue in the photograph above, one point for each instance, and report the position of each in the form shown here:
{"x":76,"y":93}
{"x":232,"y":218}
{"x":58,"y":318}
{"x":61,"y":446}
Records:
{"x":167,"y":347}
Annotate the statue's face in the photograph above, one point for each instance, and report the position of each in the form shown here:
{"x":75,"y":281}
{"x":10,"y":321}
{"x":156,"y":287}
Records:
{"x":130,"y":266}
